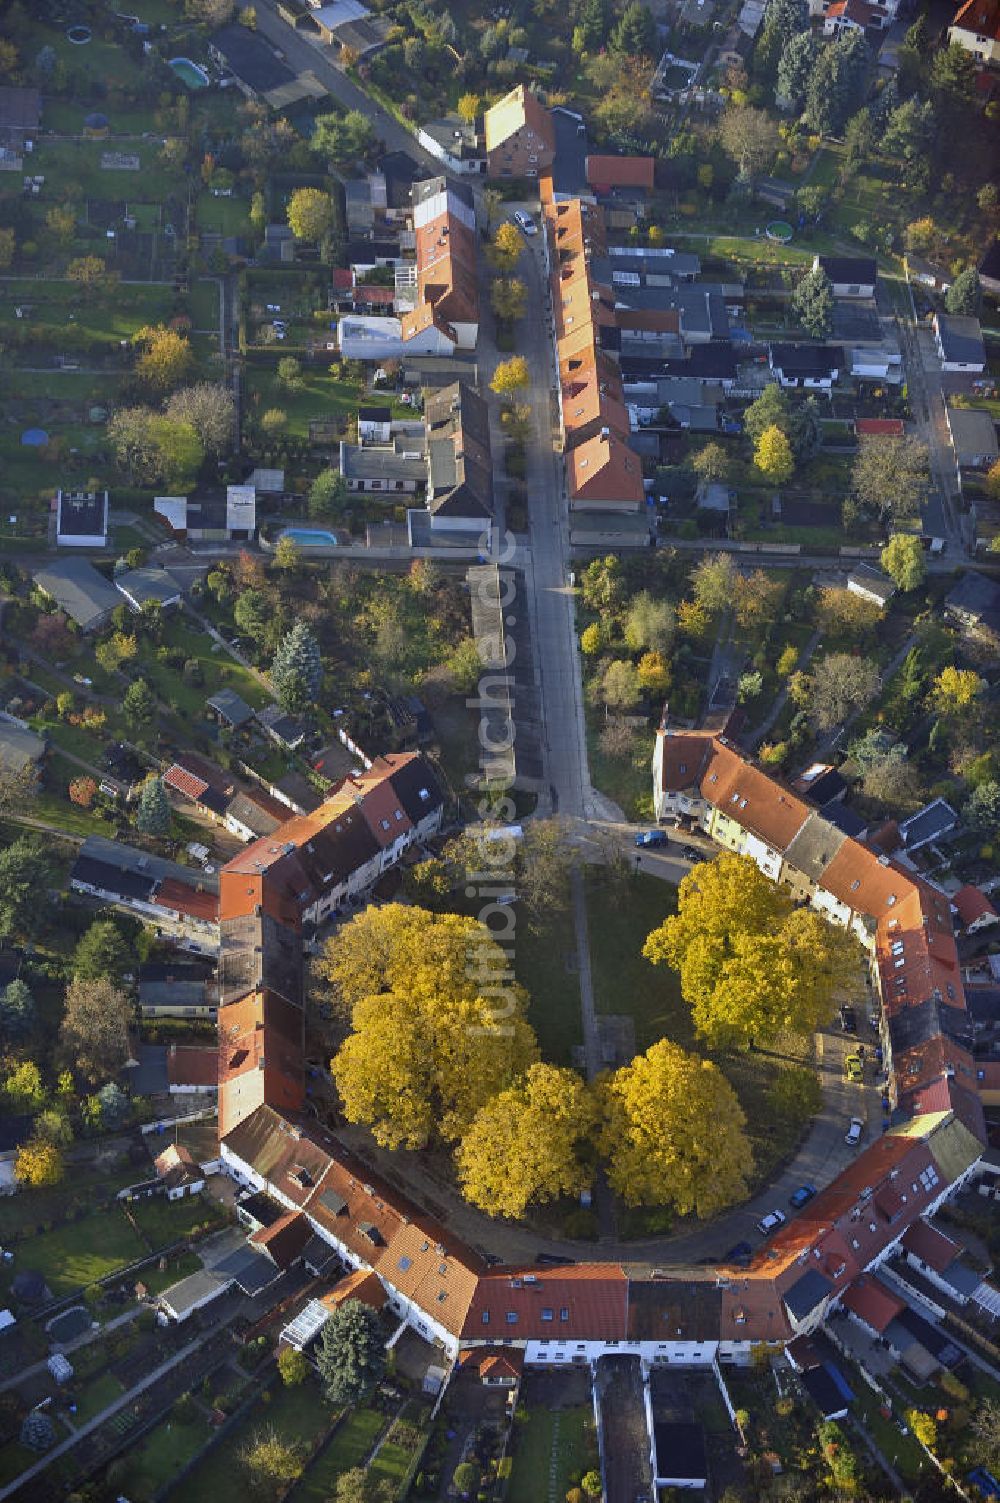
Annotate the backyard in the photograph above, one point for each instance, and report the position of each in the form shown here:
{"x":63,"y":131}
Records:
{"x":551,"y":1449}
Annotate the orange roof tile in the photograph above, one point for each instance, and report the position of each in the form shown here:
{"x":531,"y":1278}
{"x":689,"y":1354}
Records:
{"x":757,"y":802}
{"x":360,"y":1285}
{"x":605,"y":470}
{"x":872,"y":1302}
{"x":621,"y":172}
{"x":585,"y":1301}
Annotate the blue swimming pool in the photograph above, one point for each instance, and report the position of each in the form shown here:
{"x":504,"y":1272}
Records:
{"x":310,"y":537}
{"x":193,"y":76}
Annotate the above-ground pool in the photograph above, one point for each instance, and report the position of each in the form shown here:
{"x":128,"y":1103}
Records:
{"x":310,"y":537}
{"x":780,"y":230}
{"x":78,"y":35}
{"x":71,"y":1323}
{"x":190,"y":73}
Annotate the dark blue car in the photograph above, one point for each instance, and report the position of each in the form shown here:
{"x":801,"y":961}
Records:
{"x":740,"y":1254}
{"x":799,"y":1197}
{"x":651,"y":838}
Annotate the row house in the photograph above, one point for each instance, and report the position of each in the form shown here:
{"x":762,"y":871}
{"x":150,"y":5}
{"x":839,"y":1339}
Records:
{"x":180,"y":901}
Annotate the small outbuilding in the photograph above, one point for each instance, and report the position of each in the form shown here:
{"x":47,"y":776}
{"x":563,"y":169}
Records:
{"x":973,"y":436}
{"x":871,"y":584}
{"x":81,"y":519}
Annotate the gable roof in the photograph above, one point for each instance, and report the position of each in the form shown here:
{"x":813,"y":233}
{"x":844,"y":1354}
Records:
{"x":850,"y":269}
{"x":603,"y":468}
{"x":515,"y":111}
{"x":930,"y":1246}
{"x":588,"y":1300}
{"x":621,"y":172}
{"x":870,"y":1300}
{"x":980,"y":17}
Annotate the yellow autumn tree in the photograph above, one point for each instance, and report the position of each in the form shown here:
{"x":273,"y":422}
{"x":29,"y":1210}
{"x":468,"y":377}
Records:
{"x":529,"y":1143}
{"x":751,"y":965}
{"x":673,"y":1133}
{"x":166,"y":358}
{"x":38,"y":1163}
{"x":510,"y":376}
{"x":506,"y":246}
{"x":654,"y":674}
{"x":773,"y":455}
{"x":310,"y":214}
{"x":956,"y":690}
{"x":469,"y":106}
{"x":437,"y":1023}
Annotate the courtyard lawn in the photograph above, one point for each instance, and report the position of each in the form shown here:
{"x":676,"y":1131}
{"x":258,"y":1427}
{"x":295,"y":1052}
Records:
{"x":105,"y":316}
{"x":628,"y":782}
{"x":548,"y":1436}
{"x":350,"y":1444}
{"x":295,"y":1414}
{"x":158,"y":1458}
{"x":79,"y":162}
{"x":71,"y":1257}
{"x":545,"y":964}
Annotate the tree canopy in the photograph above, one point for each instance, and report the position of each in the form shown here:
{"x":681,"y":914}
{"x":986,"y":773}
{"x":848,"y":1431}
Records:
{"x":528,"y":1144}
{"x":26,"y":874}
{"x":350,"y":1353}
{"x":751,"y":965}
{"x":812,"y":303}
{"x":94,"y":1031}
{"x":297,"y":669}
{"x":674,"y":1133}
{"x":903,"y":560}
{"x":889,"y":476}
{"x":438,"y":1023}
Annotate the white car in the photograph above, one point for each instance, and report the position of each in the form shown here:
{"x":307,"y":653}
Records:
{"x":857,"y":1127}
{"x":525,"y":222}
{"x":771,"y":1222}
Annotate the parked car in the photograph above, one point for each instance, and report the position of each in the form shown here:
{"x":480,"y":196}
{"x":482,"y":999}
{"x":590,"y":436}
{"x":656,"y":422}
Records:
{"x":853,"y":1136}
{"x":770,"y":1223}
{"x":799,"y":1197}
{"x":552,"y":1260}
{"x":854,"y":1067}
{"x":525,"y":222}
{"x":848,"y":1020}
{"x":873,"y":1021}
{"x":650,"y":838}
{"x":690,"y":854}
{"x":740,"y":1254}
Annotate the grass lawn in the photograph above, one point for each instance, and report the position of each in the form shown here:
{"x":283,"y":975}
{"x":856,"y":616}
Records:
{"x":223,"y":216}
{"x":319,"y":396}
{"x":164,"y":1221}
{"x":79,"y":162}
{"x":204,"y":305}
{"x":20,"y":1214}
{"x":350,"y":1444}
{"x":71,"y":1257}
{"x":14,"y":1459}
{"x":217,"y":670}
{"x":623,"y":980}
{"x":560,"y":1434}
{"x":161,"y":1455}
{"x":623,"y":780}
{"x":96,"y":1395}
{"x":545,"y":964}
{"x":105,"y":316}
{"x":296,"y":1414}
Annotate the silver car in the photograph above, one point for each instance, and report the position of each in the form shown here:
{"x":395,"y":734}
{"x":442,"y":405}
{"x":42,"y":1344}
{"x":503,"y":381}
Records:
{"x":854,"y":1132}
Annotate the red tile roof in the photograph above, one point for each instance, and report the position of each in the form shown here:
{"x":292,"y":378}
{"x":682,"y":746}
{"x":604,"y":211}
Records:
{"x":181,"y":898}
{"x":183,"y":781}
{"x":971,"y":904}
{"x":880,"y":427}
{"x":193,"y":1065}
{"x":284,"y":1239}
{"x":980,"y":17}
{"x":360,"y":1285}
{"x":585,"y":1302}
{"x":930,"y":1246}
{"x":872,"y":1302}
{"x":621,"y":172}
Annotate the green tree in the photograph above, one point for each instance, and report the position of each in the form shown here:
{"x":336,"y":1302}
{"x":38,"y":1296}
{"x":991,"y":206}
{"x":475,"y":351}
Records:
{"x":812,"y":303}
{"x":838,"y":82}
{"x":650,"y":623}
{"x":342,"y":138}
{"x":102,"y":951}
{"x":297,"y":669}
{"x":909,"y":131}
{"x":712,"y":464}
{"x":154,"y":814}
{"x":620,"y":689}
{"x":17,"y":1012}
{"x":289,"y":372}
{"x":287,"y":554}
{"x":635,"y":34}
{"x":328,"y":495}
{"x":26,"y":877}
{"x":904,"y":561}
{"x":508,"y":298}
{"x":350,"y":1353}
{"x":798,"y":58}
{"x":138,"y":704}
{"x":251,"y":613}
{"x":714,"y":583}
{"x":986,"y":1429}
{"x":465,"y":1478}
{"x":209,"y":411}
{"x":603,"y":584}
{"x":527,"y":1144}
{"x":293,"y":1366}
{"x":965,"y":295}
{"x":981,"y":810}
{"x":674,"y":1133}
{"x":114,"y":1106}
{"x":769,"y":410}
